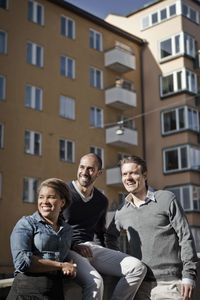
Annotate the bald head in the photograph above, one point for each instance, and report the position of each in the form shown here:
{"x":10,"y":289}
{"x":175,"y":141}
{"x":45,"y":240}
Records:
{"x":95,"y":157}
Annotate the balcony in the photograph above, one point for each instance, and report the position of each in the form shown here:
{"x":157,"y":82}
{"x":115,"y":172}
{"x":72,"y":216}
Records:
{"x":113,"y":176}
{"x":120,"y":59}
{"x":127,"y":139}
{"x":121,"y":95}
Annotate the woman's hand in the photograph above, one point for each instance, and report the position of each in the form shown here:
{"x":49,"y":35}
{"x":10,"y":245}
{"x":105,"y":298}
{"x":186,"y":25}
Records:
{"x":69,"y":268}
{"x":83,"y":250}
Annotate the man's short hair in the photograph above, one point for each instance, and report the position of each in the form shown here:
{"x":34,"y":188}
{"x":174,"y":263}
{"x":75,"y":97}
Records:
{"x":135,"y":159}
{"x":98,"y":159}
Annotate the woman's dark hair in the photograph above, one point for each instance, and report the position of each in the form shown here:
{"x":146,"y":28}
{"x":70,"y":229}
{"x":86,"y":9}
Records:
{"x":60,"y":187}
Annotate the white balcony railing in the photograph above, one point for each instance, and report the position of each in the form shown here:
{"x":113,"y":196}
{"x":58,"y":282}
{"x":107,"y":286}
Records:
{"x":120,"y":98}
{"x":128,"y":138}
{"x":113,"y":176}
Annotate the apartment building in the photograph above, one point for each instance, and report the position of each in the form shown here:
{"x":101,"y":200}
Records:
{"x":171,"y":88}
{"x":68,"y":80}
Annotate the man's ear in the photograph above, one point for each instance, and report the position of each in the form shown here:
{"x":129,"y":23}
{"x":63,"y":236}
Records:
{"x":99,"y":173}
{"x":145,"y":175}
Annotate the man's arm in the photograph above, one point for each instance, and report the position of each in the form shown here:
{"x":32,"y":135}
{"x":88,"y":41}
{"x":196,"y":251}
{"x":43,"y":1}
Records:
{"x":112,"y":235}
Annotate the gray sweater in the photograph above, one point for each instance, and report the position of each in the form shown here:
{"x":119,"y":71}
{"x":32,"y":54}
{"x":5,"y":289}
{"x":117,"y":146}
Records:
{"x":159,"y":235}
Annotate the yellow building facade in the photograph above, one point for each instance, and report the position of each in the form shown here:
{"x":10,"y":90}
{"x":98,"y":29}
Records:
{"x":70,"y":83}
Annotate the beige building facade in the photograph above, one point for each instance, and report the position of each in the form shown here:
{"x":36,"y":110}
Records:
{"x":68,"y":81}
{"x":171,"y":89}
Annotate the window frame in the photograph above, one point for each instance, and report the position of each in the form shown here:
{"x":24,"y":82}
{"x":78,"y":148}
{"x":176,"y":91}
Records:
{"x":1,"y":184}
{"x":66,"y":105}
{"x":3,"y":94}
{"x":32,"y":57}
{"x":189,"y":12}
{"x":93,"y":42}
{"x":66,"y":159}
{"x":64,"y":70}
{"x":33,"y":100}
{"x":6,"y":5}
{"x":66,"y":33}
{"x":95,"y":116}
{"x":34,"y":13}
{"x":5,"y":45}
{"x":1,"y":135}
{"x":32,"y":142}
{"x":31,"y":193}
{"x":95,"y":149}
{"x":93,"y":78}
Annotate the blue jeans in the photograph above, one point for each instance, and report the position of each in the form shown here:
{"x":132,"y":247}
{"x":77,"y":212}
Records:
{"x":108,"y":262}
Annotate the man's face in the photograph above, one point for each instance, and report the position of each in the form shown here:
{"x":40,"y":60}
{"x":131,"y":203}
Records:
{"x":88,"y":171}
{"x":133,"y":179}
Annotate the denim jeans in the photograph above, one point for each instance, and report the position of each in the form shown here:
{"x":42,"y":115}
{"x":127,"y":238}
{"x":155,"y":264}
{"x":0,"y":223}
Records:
{"x":108,"y":262}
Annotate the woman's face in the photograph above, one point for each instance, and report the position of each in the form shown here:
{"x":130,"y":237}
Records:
{"x":50,"y":203}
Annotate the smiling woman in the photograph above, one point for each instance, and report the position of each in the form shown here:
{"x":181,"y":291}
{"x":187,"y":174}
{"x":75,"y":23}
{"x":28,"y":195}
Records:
{"x":40,"y":244}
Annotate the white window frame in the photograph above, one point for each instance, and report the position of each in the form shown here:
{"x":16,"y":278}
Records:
{"x":196,"y":234}
{"x":3,"y":96}
{"x":192,"y":85}
{"x":191,"y":188}
{"x":5,"y":45}
{"x":193,"y":156}
{"x":66,"y":159}
{"x":93,"y":39}
{"x":186,"y":120}
{"x":67,"y":107}
{"x":96,"y":110}
{"x":34,"y":12}
{"x":1,"y":135}
{"x":96,"y":150}
{"x":31,"y":193}
{"x":1,"y":179}
{"x":31,"y":148}
{"x":93,"y":80}
{"x":33,"y":54}
{"x":189,"y":11}
{"x":66,"y":27}
{"x":6,"y":2}
{"x":66,"y":62}
{"x":33,"y":90}
{"x":184,"y":39}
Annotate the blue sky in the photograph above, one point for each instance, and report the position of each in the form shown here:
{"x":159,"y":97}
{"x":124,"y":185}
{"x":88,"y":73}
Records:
{"x":101,"y":8}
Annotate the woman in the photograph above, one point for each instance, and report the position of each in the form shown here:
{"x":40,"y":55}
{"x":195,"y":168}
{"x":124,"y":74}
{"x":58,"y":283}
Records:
{"x":39,"y":245}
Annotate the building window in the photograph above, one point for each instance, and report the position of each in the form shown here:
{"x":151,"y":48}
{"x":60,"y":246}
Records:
{"x":163,"y":14}
{"x":67,"y":107}
{"x":67,"y":67}
{"x":98,"y":151}
{"x":32,"y":142}
{"x":30,"y":188}
{"x":1,"y":135}
{"x":154,"y":18}
{"x":0,"y":185}
{"x":172,"y":10}
{"x":2,"y":88}
{"x":95,"y":40}
{"x":96,"y":117}
{"x":3,"y":42}
{"x":126,"y":121}
{"x":180,"y":158}
{"x":177,"y":81}
{"x":4,"y":4}
{"x":35,"y":12}
{"x":181,"y":43}
{"x":179,"y":119}
{"x":66,"y":150}
{"x":196,"y":234}
{"x":34,"y":97}
{"x":67,"y":27}
{"x":34,"y":54}
{"x":96,"y":78}
{"x":190,"y":13}
{"x":188,"y":195}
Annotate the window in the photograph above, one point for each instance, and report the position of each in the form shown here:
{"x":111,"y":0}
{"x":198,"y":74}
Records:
{"x":66,"y":150}
{"x":34,"y":54}
{"x":145,"y":22}
{"x":0,"y":185}
{"x":172,"y":10}
{"x":95,"y":78}
{"x":196,"y":235}
{"x":34,"y":97}
{"x":188,"y":195}
{"x":2,"y":87}
{"x":180,"y":158}
{"x":32,"y":142}
{"x":154,"y":18}
{"x":1,"y":135}
{"x":67,"y":67}
{"x":67,"y":27}
{"x":95,"y":40}
{"x":4,"y":4}
{"x":67,"y":107}
{"x":30,"y":187}
{"x":181,"y":43}
{"x":35,"y":12}
{"x":3,"y":42}
{"x":180,"y":118}
{"x":163,"y":14}
{"x":127,"y":121}
{"x":190,"y":13}
{"x":181,"y":80}
{"x":96,"y":117}
{"x":98,"y":151}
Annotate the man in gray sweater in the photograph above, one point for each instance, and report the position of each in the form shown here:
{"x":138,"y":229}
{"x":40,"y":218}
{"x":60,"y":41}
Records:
{"x":158,"y":233}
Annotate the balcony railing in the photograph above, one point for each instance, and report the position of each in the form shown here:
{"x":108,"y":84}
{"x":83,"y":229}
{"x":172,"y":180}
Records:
{"x":113,"y":176}
{"x":120,"y":60}
{"x":127,"y":139}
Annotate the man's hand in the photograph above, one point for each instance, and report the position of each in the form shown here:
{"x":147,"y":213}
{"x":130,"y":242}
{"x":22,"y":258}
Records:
{"x":186,"y":291}
{"x":83,"y":250}
{"x":69,"y":268}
